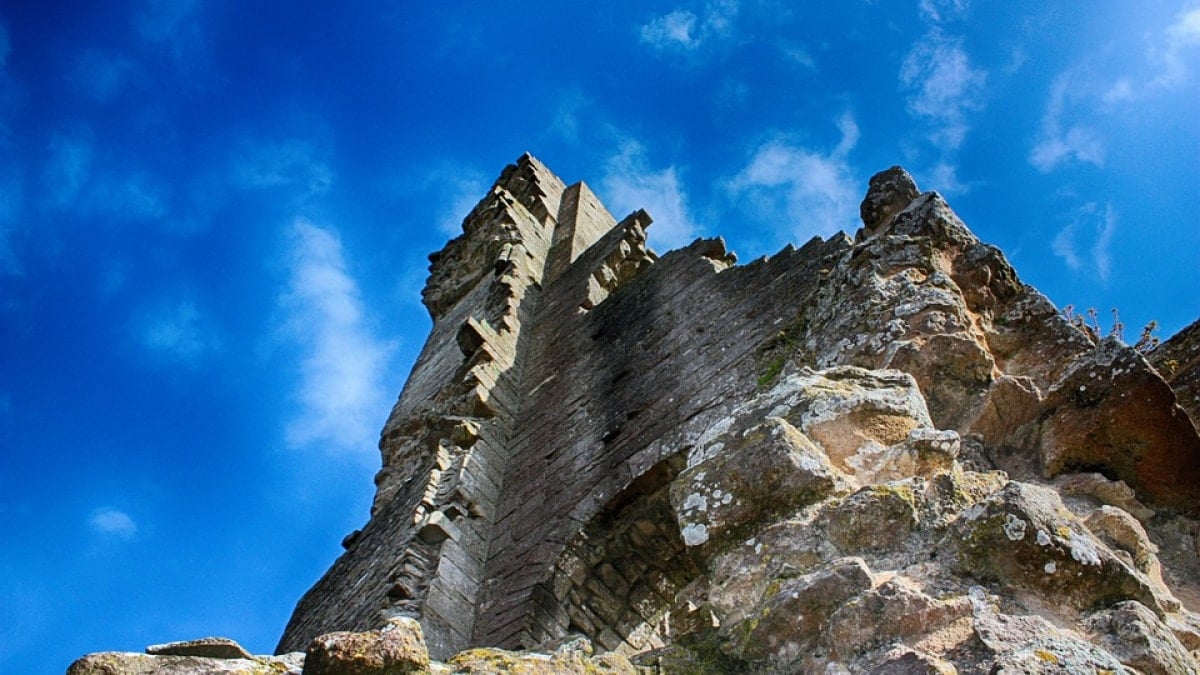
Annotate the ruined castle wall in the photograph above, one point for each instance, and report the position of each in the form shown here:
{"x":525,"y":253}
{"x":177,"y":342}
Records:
{"x":446,"y":445}
{"x":449,"y":610}
{"x":604,"y":389}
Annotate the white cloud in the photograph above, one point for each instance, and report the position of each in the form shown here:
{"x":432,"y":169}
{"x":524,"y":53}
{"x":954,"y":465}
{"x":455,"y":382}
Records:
{"x":1180,"y":39}
{"x":176,"y":331}
{"x":1121,"y":90}
{"x":1059,"y":142}
{"x":676,"y":29}
{"x":684,"y":30}
{"x":629,"y":184}
{"x":294,"y":164}
{"x":1087,"y":240}
{"x":816,"y":192}
{"x":341,"y":392}
{"x":798,"y":55}
{"x":937,"y":11}
{"x":112,"y":523}
{"x":72,"y":178}
{"x":943,"y":87}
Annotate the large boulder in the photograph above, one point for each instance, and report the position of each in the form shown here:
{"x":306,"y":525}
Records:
{"x":398,"y":647}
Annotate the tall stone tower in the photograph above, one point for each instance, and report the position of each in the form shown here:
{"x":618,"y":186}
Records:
{"x":451,"y":442}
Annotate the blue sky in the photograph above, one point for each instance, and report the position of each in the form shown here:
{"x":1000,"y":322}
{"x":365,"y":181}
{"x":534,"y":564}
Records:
{"x":214,"y":219}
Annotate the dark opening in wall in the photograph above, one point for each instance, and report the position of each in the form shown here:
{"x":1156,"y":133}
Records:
{"x":619,"y":574}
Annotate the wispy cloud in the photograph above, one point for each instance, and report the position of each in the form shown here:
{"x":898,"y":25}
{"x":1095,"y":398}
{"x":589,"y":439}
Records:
{"x":815,"y":192}
{"x":942,"y":86}
{"x":683,"y":30}
{"x":677,"y":29}
{"x":1060,"y":142}
{"x":101,"y":75}
{"x":296,"y":164}
{"x":942,"y":89}
{"x":68,"y":168}
{"x":133,"y":196}
{"x":1179,"y":41}
{"x":462,"y":192}
{"x":176,"y":331}
{"x":938,"y":11}
{"x":566,"y":121}
{"x":341,"y":390}
{"x":453,"y":188}
{"x":112,"y":524}
{"x":1086,"y":241}
{"x":629,"y":183}
{"x":798,"y":54}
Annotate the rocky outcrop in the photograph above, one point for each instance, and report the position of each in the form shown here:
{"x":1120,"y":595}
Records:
{"x":1178,"y":361}
{"x":880,"y":454}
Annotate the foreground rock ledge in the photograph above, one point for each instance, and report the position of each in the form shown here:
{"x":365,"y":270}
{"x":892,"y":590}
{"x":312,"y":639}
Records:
{"x":880,"y":453}
{"x":399,"y":647}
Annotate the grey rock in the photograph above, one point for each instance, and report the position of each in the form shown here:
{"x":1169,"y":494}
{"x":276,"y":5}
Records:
{"x":889,"y":193}
{"x":398,"y":647}
{"x":1131,"y":632}
{"x":211,"y":647}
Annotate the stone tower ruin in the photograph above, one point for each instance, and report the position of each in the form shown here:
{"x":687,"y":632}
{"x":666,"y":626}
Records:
{"x":569,"y":454}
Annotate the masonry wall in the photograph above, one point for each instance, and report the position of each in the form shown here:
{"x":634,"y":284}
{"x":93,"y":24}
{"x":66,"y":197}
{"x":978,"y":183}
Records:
{"x":446,"y":445}
{"x":615,"y":391}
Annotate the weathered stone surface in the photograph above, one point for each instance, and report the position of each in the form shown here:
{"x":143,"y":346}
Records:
{"x":1135,"y":635}
{"x":907,"y":661}
{"x":398,"y":647}
{"x":759,"y":472}
{"x":573,"y":658}
{"x":876,"y":518}
{"x":1111,"y":411}
{"x":1106,"y":492}
{"x":213,"y":647}
{"x":880,"y":455}
{"x":1023,"y":536}
{"x":1022,"y":643}
{"x":791,"y":620}
{"x":1122,"y":532}
{"x":1178,"y":360}
{"x":126,"y":663}
{"x":895,"y":611}
{"x":889,"y":193}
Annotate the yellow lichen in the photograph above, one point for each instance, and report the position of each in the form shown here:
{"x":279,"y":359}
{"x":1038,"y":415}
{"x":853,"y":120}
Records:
{"x":1047,"y":656}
